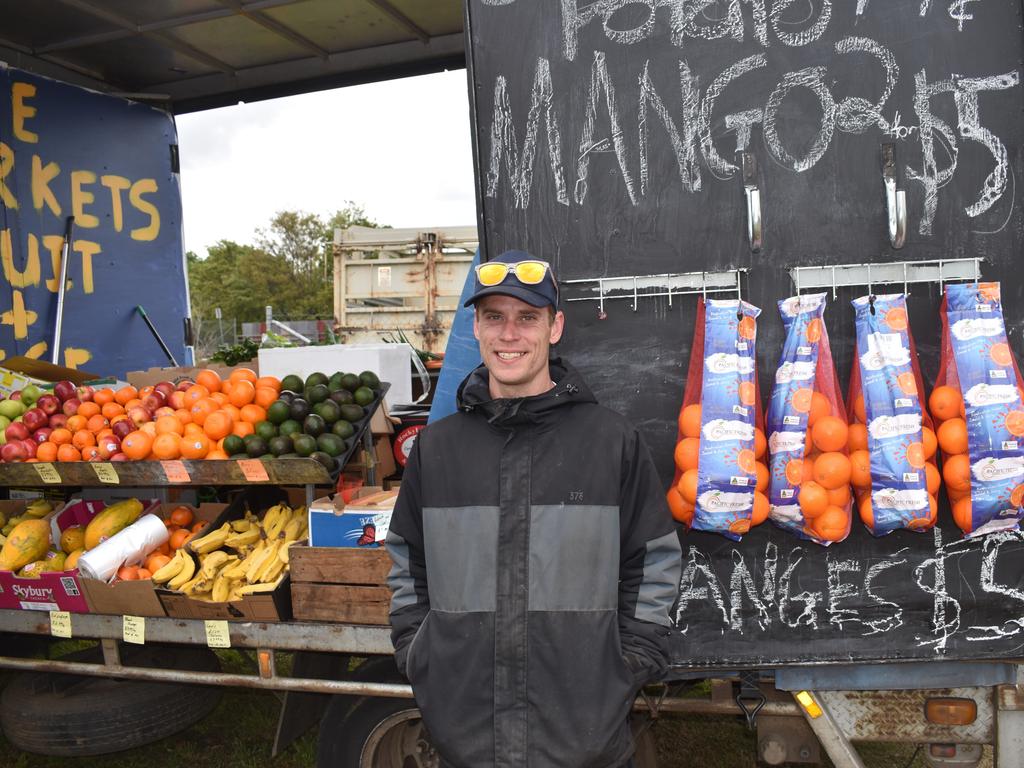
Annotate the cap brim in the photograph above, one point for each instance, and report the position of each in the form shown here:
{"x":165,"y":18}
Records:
{"x":514,"y":291}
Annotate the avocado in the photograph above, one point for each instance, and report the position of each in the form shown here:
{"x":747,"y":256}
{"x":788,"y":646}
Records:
{"x":304,"y":444}
{"x":350,"y":382}
{"x":292,"y":383}
{"x":326,"y":459}
{"x":330,"y":443}
{"x":239,"y":455}
{"x":352,"y":413}
{"x":286,"y":396}
{"x":234,"y":444}
{"x":316,"y":378}
{"x":334,"y":383}
{"x":314,"y":425}
{"x":363,"y":396}
{"x":279,"y":412}
{"x":299,"y":409}
{"x":317,"y":393}
{"x":343,"y":429}
{"x":289,"y":428}
{"x":280,"y":445}
{"x":266,"y":430}
{"x":256,"y":448}
{"x":342,"y":397}
{"x":328,"y":410}
{"x":369,"y":379}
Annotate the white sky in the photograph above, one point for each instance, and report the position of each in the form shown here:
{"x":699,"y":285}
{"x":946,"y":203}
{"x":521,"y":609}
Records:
{"x":399,"y":148}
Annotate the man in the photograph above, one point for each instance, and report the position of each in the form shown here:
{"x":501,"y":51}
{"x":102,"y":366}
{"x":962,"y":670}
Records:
{"x":535,"y":559}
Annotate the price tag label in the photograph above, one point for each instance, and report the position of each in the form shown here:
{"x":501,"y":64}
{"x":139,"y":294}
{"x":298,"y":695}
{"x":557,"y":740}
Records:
{"x":791,"y":421}
{"x":253,"y":470}
{"x":786,"y":493}
{"x":60,"y":624}
{"x":133,"y":629}
{"x":106,"y":473}
{"x":175,"y":472}
{"x":217,"y":634}
{"x":47,"y":472}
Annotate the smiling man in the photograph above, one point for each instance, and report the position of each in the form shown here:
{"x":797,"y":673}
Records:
{"x":535,"y":561}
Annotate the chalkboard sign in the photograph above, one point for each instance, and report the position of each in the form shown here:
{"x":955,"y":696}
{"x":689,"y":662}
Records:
{"x":607,"y":136}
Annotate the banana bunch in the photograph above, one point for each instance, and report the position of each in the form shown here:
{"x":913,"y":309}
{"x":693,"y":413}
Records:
{"x":36,"y":510}
{"x":242,"y":557}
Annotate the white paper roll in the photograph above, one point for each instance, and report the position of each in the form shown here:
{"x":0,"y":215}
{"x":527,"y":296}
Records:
{"x":128,"y":546}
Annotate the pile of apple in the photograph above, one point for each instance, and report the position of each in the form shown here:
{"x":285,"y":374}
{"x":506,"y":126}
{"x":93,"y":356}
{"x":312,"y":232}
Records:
{"x":29,"y":416}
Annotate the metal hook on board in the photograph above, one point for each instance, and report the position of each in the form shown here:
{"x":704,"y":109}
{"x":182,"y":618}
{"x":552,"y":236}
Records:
{"x":871,"y":291}
{"x":835,"y":292}
{"x":748,"y":164}
{"x":704,"y":287}
{"x":601,"y":314}
{"x":906,"y":287}
{"x":636,"y":300}
{"x":940,"y":278}
{"x":895,"y":199}
{"x":668,"y":282}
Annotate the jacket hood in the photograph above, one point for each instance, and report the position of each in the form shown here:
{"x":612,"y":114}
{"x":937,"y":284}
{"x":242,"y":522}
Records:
{"x":474,"y":395}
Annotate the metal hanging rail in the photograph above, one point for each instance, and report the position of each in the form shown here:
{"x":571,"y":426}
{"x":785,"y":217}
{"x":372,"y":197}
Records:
{"x":636,"y":287}
{"x":837,"y":276}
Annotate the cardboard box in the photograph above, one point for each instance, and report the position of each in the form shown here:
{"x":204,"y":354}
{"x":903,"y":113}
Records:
{"x":57,"y":591}
{"x":391,"y":363}
{"x":267,"y":606}
{"x":340,"y":584}
{"x":139,"y":598}
{"x":174,"y":375}
{"x":362,"y":523}
{"x":18,"y":372}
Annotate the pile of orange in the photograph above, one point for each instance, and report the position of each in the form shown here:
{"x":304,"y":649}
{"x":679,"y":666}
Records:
{"x":209,"y":411}
{"x":823,"y":475}
{"x":682,"y":497}
{"x":919,"y":455}
{"x":947,"y":406}
{"x":182,"y":526}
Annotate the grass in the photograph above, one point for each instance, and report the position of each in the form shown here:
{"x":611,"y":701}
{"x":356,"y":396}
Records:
{"x":240,"y":734}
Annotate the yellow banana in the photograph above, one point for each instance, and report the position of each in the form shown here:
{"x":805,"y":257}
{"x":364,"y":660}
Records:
{"x":172,"y":569}
{"x":211,"y":541}
{"x":188,"y":570}
{"x":276,"y":569}
{"x":250,"y":536}
{"x":254,"y":589}
{"x":221,"y":588}
{"x":241,"y":526}
{"x":213,"y":562}
{"x":259,"y":560}
{"x":293,"y":529}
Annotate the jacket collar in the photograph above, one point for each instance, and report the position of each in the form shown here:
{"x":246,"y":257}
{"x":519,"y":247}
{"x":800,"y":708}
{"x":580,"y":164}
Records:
{"x":474,"y":395}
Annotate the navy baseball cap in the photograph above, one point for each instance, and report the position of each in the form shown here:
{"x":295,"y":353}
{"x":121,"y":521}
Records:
{"x":542,"y":294}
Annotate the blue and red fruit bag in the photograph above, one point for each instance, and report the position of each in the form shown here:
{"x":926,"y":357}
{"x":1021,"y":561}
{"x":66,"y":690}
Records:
{"x":978,"y":403}
{"x":892,"y":442}
{"x":720,"y":476}
{"x":809,"y":490}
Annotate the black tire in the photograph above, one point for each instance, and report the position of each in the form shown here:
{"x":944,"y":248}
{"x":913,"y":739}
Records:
{"x":388,"y":733}
{"x":73,"y":716}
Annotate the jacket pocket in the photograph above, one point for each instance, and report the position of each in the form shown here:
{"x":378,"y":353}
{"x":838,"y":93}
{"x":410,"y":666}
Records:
{"x":411,"y":655}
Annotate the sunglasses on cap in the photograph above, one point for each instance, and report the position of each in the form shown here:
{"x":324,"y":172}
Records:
{"x":531,"y":272}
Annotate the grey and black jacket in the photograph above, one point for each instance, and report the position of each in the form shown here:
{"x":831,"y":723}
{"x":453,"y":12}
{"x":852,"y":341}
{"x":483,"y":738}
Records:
{"x":535,"y":567}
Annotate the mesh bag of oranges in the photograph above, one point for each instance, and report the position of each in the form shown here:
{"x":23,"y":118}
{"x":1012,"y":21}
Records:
{"x":809,"y":488}
{"x":977,"y":402}
{"x":892,"y":443}
{"x":720,"y":476}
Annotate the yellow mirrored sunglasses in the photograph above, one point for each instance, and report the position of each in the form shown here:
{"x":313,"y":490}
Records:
{"x":531,"y":272}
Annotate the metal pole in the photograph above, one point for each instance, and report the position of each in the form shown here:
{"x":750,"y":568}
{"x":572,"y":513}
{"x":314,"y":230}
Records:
{"x":69,"y":229}
{"x":156,"y":335}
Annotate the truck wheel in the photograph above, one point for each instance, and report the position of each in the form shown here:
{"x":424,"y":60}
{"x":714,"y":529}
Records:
{"x":72,"y":716}
{"x":388,"y":733}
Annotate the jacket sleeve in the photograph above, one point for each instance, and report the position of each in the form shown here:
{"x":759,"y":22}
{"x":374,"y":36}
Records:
{"x":410,"y":600}
{"x":650,"y":561}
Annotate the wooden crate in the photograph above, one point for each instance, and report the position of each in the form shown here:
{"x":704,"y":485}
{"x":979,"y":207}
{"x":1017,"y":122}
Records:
{"x":340,"y":584}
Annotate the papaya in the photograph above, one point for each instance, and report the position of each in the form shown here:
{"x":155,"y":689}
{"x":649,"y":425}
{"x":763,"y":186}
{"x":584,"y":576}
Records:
{"x":33,"y":570}
{"x":55,"y":561}
{"x":111,"y":520}
{"x":28,"y":542}
{"x":72,"y":538}
{"x":71,"y":562}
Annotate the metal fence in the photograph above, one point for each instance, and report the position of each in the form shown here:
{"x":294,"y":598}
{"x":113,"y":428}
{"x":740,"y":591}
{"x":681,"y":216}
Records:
{"x":211,"y":333}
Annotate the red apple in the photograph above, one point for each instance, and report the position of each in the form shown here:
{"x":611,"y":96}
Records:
{"x":153,"y":400}
{"x":84,"y":393}
{"x":65,"y":390}
{"x":70,"y":406}
{"x":185,"y":384}
{"x":13,"y":451}
{"x":34,"y":418}
{"x":108,"y":445}
{"x":163,"y":411}
{"x":30,"y":448}
{"x":119,"y":457}
{"x":176,"y":399}
{"x":15,"y":395}
{"x":123,"y":428}
{"x":42,"y":434}
{"x":58,"y":420}
{"x":140,"y":414}
{"x":49,"y":404}
{"x":164,"y":388}
{"x":15,"y":431}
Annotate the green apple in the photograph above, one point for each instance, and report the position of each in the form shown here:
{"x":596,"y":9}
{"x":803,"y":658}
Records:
{"x":30,"y":394}
{"x":11,"y":409}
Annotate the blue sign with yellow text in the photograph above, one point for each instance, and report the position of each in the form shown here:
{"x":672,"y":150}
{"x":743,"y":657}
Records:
{"x":109,"y":163}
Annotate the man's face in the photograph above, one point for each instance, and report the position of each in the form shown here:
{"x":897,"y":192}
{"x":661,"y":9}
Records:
{"x":514,"y":341}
